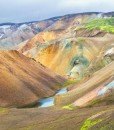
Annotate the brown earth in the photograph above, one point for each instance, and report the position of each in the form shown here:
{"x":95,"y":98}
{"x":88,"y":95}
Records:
{"x":23,"y":81}
{"x":52,"y":118}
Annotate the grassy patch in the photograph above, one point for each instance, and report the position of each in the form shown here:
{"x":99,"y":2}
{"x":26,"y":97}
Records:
{"x":104,"y":24}
{"x":3,"y":110}
{"x":89,"y":123}
{"x":68,"y":107}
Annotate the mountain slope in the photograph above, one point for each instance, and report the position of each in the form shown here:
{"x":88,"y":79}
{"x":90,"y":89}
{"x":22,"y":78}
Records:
{"x":75,"y":49}
{"x":79,"y":47}
{"x":99,"y":87}
{"x":23,"y":81}
{"x":61,"y":55}
{"x":62,"y":25}
{"x":11,"y":34}
{"x":94,"y":118}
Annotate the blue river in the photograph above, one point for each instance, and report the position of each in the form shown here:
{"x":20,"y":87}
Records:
{"x":47,"y":102}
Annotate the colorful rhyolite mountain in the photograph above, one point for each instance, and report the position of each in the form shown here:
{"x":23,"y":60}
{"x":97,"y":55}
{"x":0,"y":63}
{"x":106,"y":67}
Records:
{"x":23,"y":81}
{"x":11,"y":34}
{"x":74,"y":46}
{"x":79,"y":47}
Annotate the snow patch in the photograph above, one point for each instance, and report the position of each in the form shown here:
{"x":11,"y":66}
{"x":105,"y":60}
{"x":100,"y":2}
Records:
{"x":5,"y":27}
{"x":1,"y":35}
{"x":110,"y":52}
{"x":100,"y":15}
{"x":24,"y":26}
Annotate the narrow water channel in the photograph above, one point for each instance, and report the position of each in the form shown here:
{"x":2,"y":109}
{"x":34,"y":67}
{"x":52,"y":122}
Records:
{"x":47,"y":102}
{"x":107,"y":87}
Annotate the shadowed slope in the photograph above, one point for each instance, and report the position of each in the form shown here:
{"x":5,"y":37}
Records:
{"x":23,"y":81}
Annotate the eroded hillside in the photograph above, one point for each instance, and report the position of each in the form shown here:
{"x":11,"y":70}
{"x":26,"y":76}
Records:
{"x":79,"y":47}
{"x":77,"y":51}
{"x":23,"y":81}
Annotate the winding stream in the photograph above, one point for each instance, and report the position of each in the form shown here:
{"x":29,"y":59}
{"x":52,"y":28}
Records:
{"x":47,"y":102}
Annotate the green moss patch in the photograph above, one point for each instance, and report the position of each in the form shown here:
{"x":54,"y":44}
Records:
{"x":104,"y":24}
{"x":89,"y":123}
{"x":68,"y":107}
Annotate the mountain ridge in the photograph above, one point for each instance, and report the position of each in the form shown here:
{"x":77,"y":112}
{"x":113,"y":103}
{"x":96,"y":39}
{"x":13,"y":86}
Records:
{"x":70,"y":14}
{"x":11,"y":34}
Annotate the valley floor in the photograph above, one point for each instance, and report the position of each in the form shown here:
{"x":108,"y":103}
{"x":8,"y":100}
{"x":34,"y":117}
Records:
{"x":53,"y":118}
